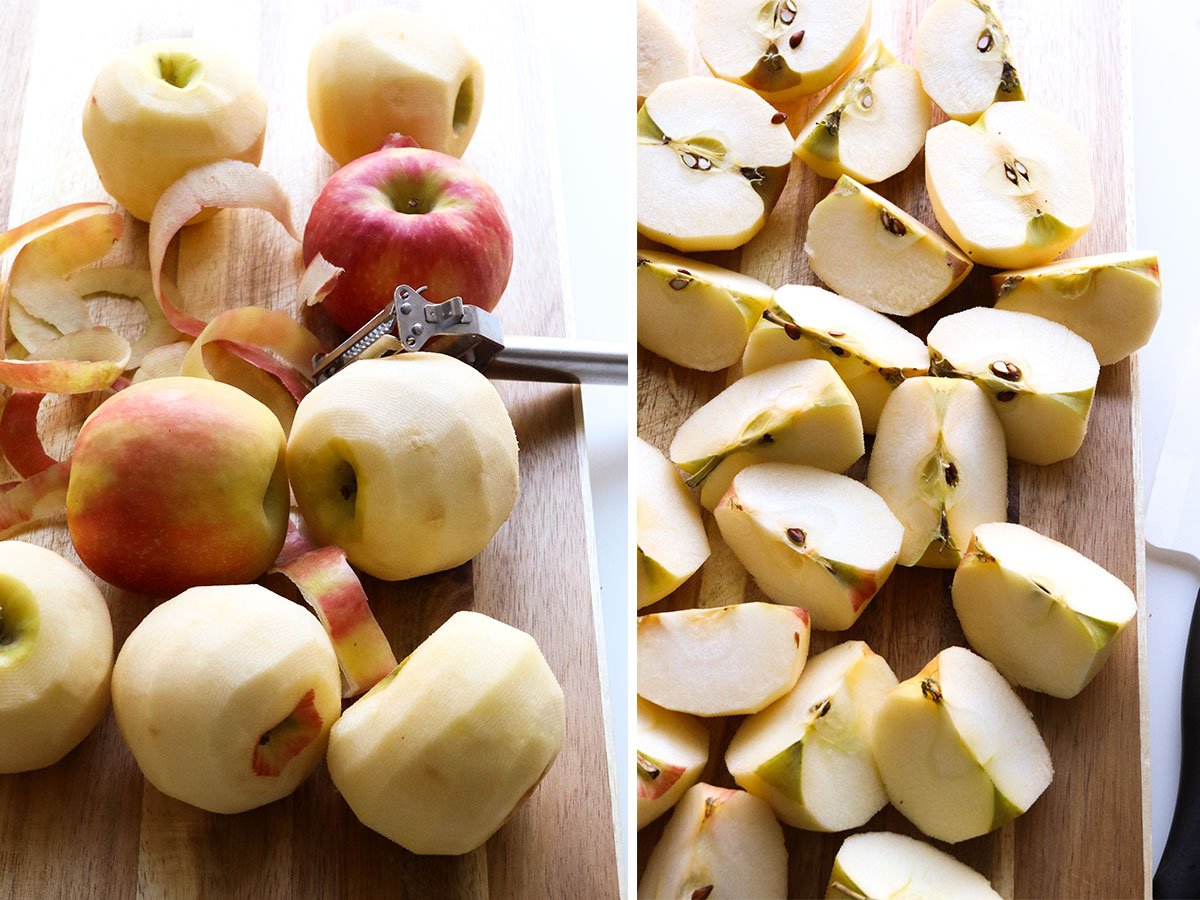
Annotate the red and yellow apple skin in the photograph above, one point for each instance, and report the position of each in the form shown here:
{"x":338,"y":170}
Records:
{"x":409,"y":216}
{"x":178,"y":482}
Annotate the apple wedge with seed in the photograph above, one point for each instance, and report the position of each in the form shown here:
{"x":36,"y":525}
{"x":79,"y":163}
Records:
{"x":671,"y":542}
{"x":939,"y":462}
{"x":1111,"y":301}
{"x":712,"y":160}
{"x":869,"y":352}
{"x":866,"y":247}
{"x":728,"y":661}
{"x":661,"y":55}
{"x":693,"y":313}
{"x":797,"y":412}
{"x":884,"y":864}
{"x":810,"y":536}
{"x":783,"y":49}
{"x":672,"y":748}
{"x":871,"y":124}
{"x":1044,"y":615}
{"x":807,"y":754}
{"x":957,"y":750}
{"x":1039,"y":376}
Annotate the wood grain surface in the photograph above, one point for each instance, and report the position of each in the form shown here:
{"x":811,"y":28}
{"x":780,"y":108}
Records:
{"x":90,"y":826}
{"x":1088,"y":835}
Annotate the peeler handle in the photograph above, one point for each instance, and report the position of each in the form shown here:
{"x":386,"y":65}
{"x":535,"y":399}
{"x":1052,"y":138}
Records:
{"x":560,"y":360}
{"x":1178,"y":873}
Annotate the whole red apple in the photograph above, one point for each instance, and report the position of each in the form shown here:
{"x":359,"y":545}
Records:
{"x":178,"y":482}
{"x":409,"y":216}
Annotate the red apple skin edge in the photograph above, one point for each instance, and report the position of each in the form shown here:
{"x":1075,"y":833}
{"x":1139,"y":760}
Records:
{"x":409,"y":216}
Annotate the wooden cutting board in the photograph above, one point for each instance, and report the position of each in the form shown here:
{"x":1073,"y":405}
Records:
{"x":91,"y":826}
{"x":1088,"y":835}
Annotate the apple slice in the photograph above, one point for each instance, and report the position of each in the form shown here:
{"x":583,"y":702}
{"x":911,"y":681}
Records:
{"x":1040,"y":377}
{"x":1012,"y":190}
{"x":872,"y":122}
{"x":693,"y":313}
{"x":796,"y":412}
{"x":962,"y":52}
{"x":671,"y":543}
{"x":1044,"y":615}
{"x":871,"y":353}
{"x":672,"y":748}
{"x":865,"y":247}
{"x":661,"y":56}
{"x":712,"y":159}
{"x":883,"y":864}
{"x":957,"y":749}
{"x":940,"y":464}
{"x":719,"y":843}
{"x":807,"y":754}
{"x":783,"y":48}
{"x":1110,"y":301}
{"x":812,"y":537}
{"x":721,"y":662}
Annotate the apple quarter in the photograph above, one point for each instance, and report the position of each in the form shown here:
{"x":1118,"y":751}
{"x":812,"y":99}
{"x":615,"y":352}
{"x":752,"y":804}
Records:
{"x":672,"y":749}
{"x":671,"y":541}
{"x":884,"y":864}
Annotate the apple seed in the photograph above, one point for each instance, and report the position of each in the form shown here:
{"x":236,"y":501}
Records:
{"x":647,"y":769}
{"x":1006,"y":370}
{"x":777,"y":119}
{"x":950,"y":471}
{"x":892,"y":224}
{"x":986,"y":41}
{"x":785,"y":13}
{"x":796,"y":536}
{"x":1005,"y":396}
{"x":931,"y":690}
{"x":795,"y":39}
{"x":821,"y":708}
{"x":702,"y":893}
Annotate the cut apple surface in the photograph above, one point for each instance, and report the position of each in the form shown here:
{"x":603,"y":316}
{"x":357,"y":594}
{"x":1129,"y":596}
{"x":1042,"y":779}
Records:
{"x":958,"y":751}
{"x":1111,"y":301}
{"x":1012,"y":190}
{"x":693,"y":313}
{"x":869,"y":352}
{"x":1039,"y":376}
{"x":810,"y":536}
{"x":719,"y":843}
{"x":939,"y":461}
{"x":883,"y":864}
{"x":712,"y":160}
{"x":808,"y":754}
{"x":782,"y":48}
{"x":966,"y":62}
{"x":871,"y":124}
{"x":671,"y":543}
{"x":1044,"y":615}
{"x":672,"y":748}
{"x":721,"y":662}
{"x":661,"y":56}
{"x":867,"y":248}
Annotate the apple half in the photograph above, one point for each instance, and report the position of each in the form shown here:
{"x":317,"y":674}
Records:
{"x":871,"y":124}
{"x":810,"y":536}
{"x":728,"y":661}
{"x":965,"y":59}
{"x":808,"y":753}
{"x":939,"y":462}
{"x":720,"y":842}
{"x":661,"y":55}
{"x":672,"y":748}
{"x":693,"y":313}
{"x":884,"y":864}
{"x":1043,"y":614}
{"x":712,"y":160}
{"x":1014,"y":189}
{"x":783,"y":49}
{"x":869,"y":352}
{"x":1039,"y":376}
{"x":671,"y":542}
{"x":866,"y":247}
{"x":957,"y":750}
{"x":1111,"y":301}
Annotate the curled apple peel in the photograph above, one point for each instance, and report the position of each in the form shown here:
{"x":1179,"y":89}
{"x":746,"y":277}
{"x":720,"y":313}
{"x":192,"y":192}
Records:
{"x":19,"y":439}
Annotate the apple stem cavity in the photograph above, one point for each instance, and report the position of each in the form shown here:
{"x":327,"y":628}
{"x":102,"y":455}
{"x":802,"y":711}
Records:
{"x":180,"y":70}
{"x":281,"y":744}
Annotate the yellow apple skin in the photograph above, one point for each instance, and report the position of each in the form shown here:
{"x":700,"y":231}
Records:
{"x":165,"y":107}
{"x":438,"y":755}
{"x":55,"y":658}
{"x":380,"y":72}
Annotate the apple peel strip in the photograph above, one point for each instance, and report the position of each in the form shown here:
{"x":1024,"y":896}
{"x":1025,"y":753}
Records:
{"x":19,"y":439}
{"x":318,"y":280}
{"x":37,"y":498}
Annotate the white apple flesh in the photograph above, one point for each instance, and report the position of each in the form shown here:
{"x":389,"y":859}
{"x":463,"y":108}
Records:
{"x":672,"y":749}
{"x":661,"y":55}
{"x":671,"y":541}
{"x":721,"y":662}
{"x":1044,"y":615}
{"x":883,"y":864}
{"x":808,"y":754}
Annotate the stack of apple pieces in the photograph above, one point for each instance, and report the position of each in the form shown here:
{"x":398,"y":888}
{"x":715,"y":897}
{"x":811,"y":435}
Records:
{"x":671,"y":542}
{"x":810,"y":536}
{"x":870,"y":353}
{"x":1045,"y":615}
{"x":672,"y":748}
{"x":808,"y":754}
{"x":661,"y":56}
{"x":883,"y":864}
